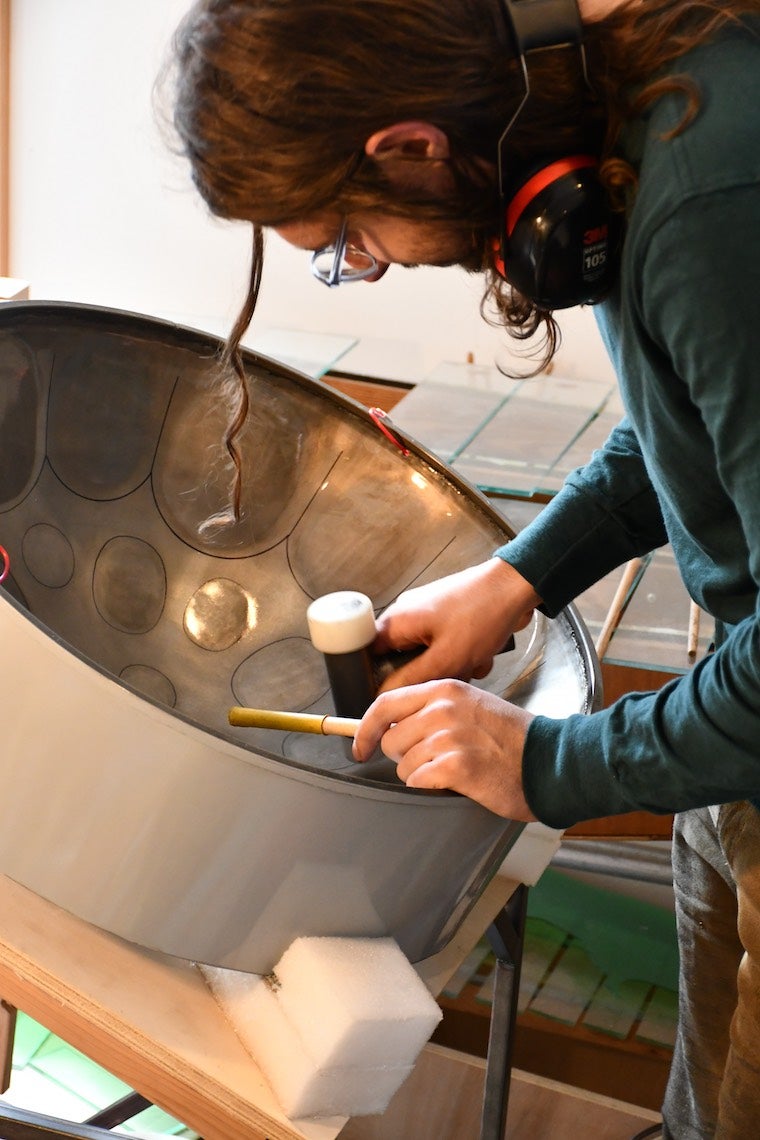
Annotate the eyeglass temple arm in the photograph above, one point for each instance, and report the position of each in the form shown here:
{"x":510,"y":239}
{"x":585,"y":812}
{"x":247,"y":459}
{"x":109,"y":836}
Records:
{"x":340,"y":249}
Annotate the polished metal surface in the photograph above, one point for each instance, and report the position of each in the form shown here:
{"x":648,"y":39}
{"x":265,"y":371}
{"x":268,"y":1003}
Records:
{"x":137,"y":610}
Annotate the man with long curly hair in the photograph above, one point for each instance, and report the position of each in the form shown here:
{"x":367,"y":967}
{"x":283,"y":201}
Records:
{"x":385,"y":132}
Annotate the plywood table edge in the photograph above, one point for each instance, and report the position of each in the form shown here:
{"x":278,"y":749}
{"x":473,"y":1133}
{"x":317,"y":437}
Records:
{"x":110,"y":1000}
{"x":439,"y":969}
{"x":153,"y":1022}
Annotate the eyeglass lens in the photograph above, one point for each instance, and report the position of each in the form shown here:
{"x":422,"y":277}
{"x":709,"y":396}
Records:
{"x":341,"y":262}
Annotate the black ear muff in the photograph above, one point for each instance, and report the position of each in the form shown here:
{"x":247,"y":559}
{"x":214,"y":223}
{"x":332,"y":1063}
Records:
{"x":560,"y":240}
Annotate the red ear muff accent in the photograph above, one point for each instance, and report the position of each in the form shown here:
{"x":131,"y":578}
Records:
{"x":560,"y":240}
{"x":540,"y":181}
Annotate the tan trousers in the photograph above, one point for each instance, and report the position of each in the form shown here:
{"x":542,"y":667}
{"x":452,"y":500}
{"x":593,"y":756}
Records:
{"x":714,"y":1087}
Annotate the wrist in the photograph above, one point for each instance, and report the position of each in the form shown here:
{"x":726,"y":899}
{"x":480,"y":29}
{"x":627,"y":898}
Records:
{"x":512,"y":588}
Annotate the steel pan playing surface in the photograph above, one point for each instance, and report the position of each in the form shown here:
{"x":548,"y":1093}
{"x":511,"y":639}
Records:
{"x":138,"y":610}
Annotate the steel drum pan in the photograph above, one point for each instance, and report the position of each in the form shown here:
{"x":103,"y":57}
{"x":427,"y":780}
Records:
{"x":137,"y":609}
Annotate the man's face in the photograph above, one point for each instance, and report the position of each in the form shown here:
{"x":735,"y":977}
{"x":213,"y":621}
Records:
{"x":390,"y":240}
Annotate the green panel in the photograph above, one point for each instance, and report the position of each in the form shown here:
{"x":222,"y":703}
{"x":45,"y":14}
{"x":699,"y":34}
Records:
{"x":616,"y":1011}
{"x":658,"y":1024}
{"x":27,"y":1039}
{"x":569,"y":987}
{"x":57,"y":1080}
{"x":37,"y":1093}
{"x":629,"y":940}
{"x":543,"y":944}
{"x":71,"y":1069}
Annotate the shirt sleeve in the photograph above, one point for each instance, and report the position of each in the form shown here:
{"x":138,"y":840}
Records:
{"x":697,"y":741}
{"x":605,"y":514}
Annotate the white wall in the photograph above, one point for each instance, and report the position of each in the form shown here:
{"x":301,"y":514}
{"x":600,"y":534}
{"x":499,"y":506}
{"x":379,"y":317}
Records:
{"x":102,"y":213}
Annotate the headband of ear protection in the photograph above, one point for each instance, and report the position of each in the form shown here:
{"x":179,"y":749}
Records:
{"x":560,"y":240}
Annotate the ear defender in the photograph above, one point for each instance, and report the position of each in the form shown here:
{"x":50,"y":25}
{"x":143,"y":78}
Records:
{"x":560,"y":240}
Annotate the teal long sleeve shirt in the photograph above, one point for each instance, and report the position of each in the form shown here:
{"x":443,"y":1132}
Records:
{"x":683,"y":331}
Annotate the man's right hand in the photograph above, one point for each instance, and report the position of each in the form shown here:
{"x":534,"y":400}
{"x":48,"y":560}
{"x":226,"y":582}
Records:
{"x":462,"y":620}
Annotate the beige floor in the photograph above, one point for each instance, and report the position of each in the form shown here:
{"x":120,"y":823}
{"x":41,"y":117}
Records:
{"x":442,"y":1101}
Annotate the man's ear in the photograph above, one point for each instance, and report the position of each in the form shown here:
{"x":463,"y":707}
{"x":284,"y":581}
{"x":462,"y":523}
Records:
{"x":411,"y":140}
{"x":413,"y":157}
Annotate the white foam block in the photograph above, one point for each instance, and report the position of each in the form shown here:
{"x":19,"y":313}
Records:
{"x":356,"y":1001}
{"x":339,"y":1033}
{"x":531,"y":854}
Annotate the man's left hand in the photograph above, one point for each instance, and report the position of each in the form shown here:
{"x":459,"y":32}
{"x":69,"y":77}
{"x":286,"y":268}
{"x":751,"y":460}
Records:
{"x":451,"y":735}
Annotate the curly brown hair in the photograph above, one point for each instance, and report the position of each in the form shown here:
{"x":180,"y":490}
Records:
{"x":273,"y":101}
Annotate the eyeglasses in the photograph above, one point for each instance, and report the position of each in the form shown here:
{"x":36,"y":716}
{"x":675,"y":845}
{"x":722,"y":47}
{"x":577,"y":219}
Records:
{"x":340,"y":262}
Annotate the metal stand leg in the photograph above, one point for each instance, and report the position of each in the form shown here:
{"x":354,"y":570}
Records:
{"x":506,"y":935}
{"x":19,"y":1124}
{"x":115,"y":1114}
